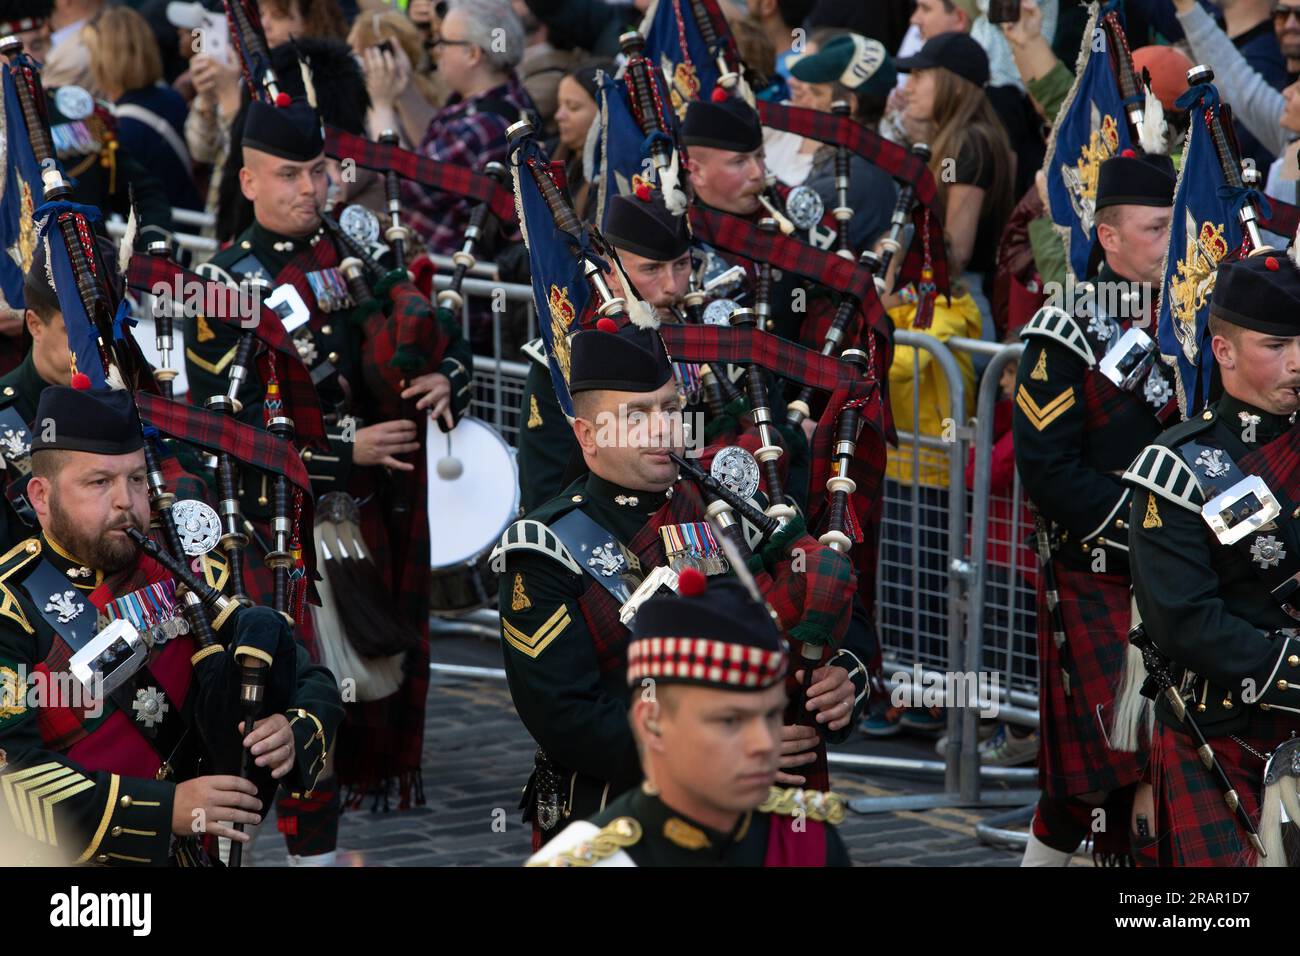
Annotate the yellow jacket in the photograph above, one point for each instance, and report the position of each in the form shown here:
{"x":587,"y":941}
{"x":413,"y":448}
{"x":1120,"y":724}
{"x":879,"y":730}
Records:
{"x":918,"y":391}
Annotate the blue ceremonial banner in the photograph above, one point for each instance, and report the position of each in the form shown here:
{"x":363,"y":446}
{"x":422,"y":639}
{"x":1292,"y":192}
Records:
{"x":624,"y":153}
{"x":1090,"y":128}
{"x":1205,"y":229}
{"x":20,"y":194}
{"x":83,"y":339}
{"x":674,"y":43}
{"x":560,"y":289}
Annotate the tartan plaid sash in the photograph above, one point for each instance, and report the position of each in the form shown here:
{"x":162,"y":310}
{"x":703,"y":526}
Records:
{"x":900,"y":163}
{"x":406,"y":318}
{"x":215,"y":432}
{"x":320,"y":255}
{"x":457,"y":180}
{"x":1284,"y":218}
{"x":1277,"y":463}
{"x":716,"y":343}
{"x":600,"y":609}
{"x":61,"y":727}
{"x":145,"y":273}
{"x":742,"y":238}
{"x":843,"y":131}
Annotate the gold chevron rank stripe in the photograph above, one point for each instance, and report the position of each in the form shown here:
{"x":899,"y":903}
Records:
{"x":33,"y":793}
{"x":1042,"y":416}
{"x":533,"y":644}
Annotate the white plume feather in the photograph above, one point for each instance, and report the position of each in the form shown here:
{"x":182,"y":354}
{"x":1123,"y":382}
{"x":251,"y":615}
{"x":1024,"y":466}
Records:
{"x":114,"y":378}
{"x":126,"y":245}
{"x":1294,"y":251}
{"x":641,"y":314}
{"x":670,"y":181}
{"x":1154,"y":132}
{"x":308,"y":86}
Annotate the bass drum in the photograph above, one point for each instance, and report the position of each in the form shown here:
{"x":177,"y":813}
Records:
{"x":468,"y":512}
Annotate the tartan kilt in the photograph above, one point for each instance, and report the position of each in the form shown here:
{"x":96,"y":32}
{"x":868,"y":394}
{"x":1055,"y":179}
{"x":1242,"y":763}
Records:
{"x":1193,"y":822}
{"x":380,"y":741}
{"x":1075,"y":755}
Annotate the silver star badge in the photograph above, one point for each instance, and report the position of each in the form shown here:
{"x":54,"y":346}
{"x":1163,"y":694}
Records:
{"x":150,"y":706}
{"x":1157,"y":390}
{"x":1267,"y":551}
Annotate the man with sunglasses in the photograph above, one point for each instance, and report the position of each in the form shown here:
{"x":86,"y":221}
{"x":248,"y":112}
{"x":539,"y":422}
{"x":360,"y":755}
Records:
{"x":475,"y":49}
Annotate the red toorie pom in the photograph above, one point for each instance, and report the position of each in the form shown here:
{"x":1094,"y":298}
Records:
{"x":607,"y":324}
{"x":282,"y":99}
{"x":642,"y":191}
{"x":691,"y":582}
{"x":81,"y":381}
{"x":718,"y":94}
{"x":1271,"y":264}
{"x":1129,"y":154}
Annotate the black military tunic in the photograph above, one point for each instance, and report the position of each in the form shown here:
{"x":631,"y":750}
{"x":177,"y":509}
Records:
{"x":639,"y":829}
{"x":20,"y":390}
{"x":327,"y":338}
{"x":573,"y":708}
{"x":106,"y":815}
{"x":1074,"y":439}
{"x":1204,"y":603}
{"x":572,"y":705}
{"x":102,"y":172}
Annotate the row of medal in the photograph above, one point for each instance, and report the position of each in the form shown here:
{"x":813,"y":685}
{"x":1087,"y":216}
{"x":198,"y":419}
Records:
{"x":692,"y":545}
{"x":152,"y":610}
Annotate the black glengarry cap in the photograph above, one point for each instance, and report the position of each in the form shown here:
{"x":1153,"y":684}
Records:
{"x":729,"y":124}
{"x":98,"y":421}
{"x":627,"y":359}
{"x":646,"y":227}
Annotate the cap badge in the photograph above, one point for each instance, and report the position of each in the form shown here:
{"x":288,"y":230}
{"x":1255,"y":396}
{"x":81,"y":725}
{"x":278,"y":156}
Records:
{"x":64,"y":605}
{"x":606,"y":560}
{"x":1211,"y":462}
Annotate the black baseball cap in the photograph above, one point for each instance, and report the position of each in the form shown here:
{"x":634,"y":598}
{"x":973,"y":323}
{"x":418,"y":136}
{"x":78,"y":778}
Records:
{"x":955,"y":52}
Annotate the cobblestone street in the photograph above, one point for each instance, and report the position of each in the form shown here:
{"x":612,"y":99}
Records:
{"x":478,"y":755}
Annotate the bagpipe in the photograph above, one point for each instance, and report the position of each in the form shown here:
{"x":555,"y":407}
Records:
{"x":360,"y":631}
{"x":570,"y":263}
{"x":252,"y":670}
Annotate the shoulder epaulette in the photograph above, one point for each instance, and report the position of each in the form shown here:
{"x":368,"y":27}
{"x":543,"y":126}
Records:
{"x":11,"y":562}
{"x":607,"y":842}
{"x":214,"y":273}
{"x":1049,"y":322}
{"x":529,"y":535}
{"x":1162,"y":471}
{"x":825,"y":807}
{"x":535,"y":350}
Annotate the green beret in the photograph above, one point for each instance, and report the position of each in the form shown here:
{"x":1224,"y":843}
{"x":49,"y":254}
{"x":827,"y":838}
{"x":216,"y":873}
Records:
{"x":857,"y":62}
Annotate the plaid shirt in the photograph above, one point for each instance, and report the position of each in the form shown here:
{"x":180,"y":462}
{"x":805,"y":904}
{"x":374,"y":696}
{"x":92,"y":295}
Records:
{"x":461,"y":134}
